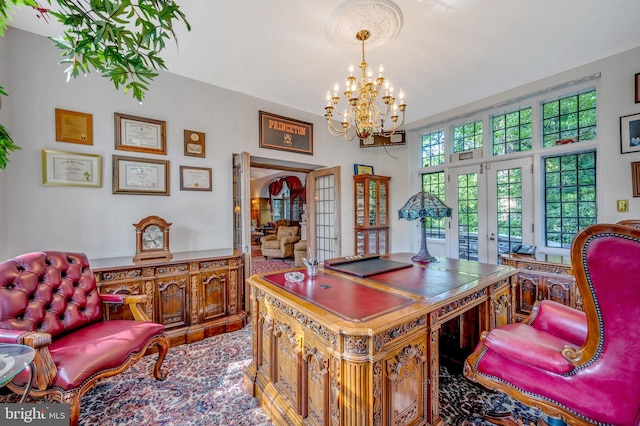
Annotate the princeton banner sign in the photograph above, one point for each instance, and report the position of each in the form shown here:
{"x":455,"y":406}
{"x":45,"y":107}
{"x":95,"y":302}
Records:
{"x":287,"y":134}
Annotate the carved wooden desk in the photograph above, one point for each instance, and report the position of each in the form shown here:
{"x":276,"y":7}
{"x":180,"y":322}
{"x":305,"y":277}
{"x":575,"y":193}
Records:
{"x":342,"y":350}
{"x":542,"y":277}
{"x":195,"y":295}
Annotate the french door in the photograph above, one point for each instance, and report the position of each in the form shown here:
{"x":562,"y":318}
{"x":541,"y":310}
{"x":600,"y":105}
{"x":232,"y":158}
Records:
{"x":492,"y":207}
{"x":323,"y":208}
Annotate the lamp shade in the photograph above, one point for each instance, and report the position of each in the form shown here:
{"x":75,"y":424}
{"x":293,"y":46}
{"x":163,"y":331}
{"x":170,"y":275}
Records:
{"x":421,"y":206}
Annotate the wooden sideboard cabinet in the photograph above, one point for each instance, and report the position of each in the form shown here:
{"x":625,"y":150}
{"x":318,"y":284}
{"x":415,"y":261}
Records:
{"x":195,"y":295}
{"x":542,"y":277}
{"x":371,"y":220}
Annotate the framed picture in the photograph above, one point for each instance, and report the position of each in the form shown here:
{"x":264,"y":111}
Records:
{"x":286,"y":134}
{"x":630,"y":133}
{"x":74,"y":127}
{"x":194,"y":143}
{"x":637,"y":87}
{"x":71,"y":169}
{"x":140,"y":176}
{"x":635,"y":178}
{"x":195,"y":178}
{"x":140,"y":134}
{"x":360,"y":169}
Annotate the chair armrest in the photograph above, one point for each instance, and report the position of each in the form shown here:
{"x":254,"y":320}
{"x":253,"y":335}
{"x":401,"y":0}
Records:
{"x":289,"y":240}
{"x":132,"y":301}
{"x":12,"y":336}
{"x":560,"y":320}
{"x":526,"y":351}
{"x":45,"y":369}
{"x":268,"y":238}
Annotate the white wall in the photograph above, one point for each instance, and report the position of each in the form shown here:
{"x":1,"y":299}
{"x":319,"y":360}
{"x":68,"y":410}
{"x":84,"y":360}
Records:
{"x":99,"y":223}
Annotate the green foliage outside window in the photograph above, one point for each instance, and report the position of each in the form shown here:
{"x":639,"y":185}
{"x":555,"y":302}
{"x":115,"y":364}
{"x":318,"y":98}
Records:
{"x":509,"y":208}
{"x":467,"y":137}
{"x":512,"y":132}
{"x":434,"y":184}
{"x":433,"y":148}
{"x":570,"y":196}
{"x":573,"y":117}
{"x":467,"y":215}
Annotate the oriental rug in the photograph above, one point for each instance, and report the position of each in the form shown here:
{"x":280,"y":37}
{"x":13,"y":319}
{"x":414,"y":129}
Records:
{"x":205,"y":388}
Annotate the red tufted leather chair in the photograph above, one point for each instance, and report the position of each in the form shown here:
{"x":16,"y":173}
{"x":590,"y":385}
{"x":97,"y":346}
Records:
{"x":581,"y":367}
{"x":49,"y":300}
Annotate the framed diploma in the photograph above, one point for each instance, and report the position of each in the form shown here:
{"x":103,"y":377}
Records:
{"x":195,"y":178}
{"x":71,"y":169}
{"x":140,"y":134}
{"x":194,"y":143}
{"x":74,"y":127}
{"x":140,"y":176}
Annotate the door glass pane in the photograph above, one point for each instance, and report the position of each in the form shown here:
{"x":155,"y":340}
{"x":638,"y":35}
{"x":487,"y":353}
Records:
{"x":468,"y":216}
{"x":383,"y":203}
{"x":325,"y":206}
{"x":509,"y":206}
{"x":373,"y":203}
{"x":373,"y":241}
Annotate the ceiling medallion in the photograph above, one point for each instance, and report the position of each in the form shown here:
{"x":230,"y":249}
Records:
{"x":382,"y":18}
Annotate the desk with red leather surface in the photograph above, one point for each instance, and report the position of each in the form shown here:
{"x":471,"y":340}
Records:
{"x":375,"y":337}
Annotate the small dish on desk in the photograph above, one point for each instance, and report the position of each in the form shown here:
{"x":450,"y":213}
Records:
{"x":294,"y":277}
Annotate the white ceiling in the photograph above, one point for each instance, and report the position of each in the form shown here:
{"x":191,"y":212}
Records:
{"x":447,"y":53}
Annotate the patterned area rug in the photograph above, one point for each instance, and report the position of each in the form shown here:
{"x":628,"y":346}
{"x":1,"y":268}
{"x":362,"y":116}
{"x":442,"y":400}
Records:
{"x":260,"y":265}
{"x":205,"y":388}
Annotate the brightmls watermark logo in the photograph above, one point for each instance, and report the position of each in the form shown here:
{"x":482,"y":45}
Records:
{"x":34,"y":414}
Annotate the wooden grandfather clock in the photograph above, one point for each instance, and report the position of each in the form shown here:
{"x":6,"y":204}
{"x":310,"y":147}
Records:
{"x":152,"y":240}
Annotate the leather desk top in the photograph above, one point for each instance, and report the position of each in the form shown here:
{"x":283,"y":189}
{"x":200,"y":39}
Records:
{"x":350,"y":298}
{"x":341,"y":296}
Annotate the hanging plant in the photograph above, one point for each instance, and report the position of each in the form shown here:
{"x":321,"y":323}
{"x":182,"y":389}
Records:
{"x":6,"y":143}
{"x":120,"y":39}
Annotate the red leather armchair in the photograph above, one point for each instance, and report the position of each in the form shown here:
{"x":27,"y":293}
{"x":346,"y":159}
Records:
{"x":581,"y":367}
{"x":49,"y":301}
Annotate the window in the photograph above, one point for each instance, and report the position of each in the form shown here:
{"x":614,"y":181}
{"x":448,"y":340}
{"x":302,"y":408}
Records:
{"x":467,"y":137}
{"x":570,"y":196}
{"x":433,"y":148}
{"x":572,"y":117}
{"x":434,"y":184}
{"x":512,"y":132}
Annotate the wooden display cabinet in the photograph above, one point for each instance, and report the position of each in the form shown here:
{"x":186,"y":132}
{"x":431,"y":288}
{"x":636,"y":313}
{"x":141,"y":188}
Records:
{"x":542,"y":277}
{"x":195,"y":295}
{"x":371,"y":203}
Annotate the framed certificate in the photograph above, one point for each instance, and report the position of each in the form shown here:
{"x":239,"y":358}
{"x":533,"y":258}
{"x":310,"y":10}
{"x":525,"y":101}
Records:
{"x":195,"y":178}
{"x":140,"y":176}
{"x":74,"y":127}
{"x":71,"y":169}
{"x":140,"y":134}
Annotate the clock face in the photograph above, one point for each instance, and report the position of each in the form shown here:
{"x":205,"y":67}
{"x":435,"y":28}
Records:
{"x":152,"y":238}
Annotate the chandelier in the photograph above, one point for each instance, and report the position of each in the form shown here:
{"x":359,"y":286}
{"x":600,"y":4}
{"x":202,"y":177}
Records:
{"x":371,"y":106}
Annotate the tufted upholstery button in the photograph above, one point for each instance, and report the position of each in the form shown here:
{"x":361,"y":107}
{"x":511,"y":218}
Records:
{"x":31,"y":297}
{"x":20,"y":268}
{"x":10,"y":286}
{"x":61,"y":317}
{"x":63,"y":274}
{"x":47,"y":262}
